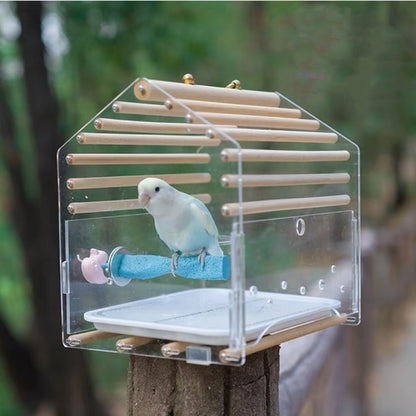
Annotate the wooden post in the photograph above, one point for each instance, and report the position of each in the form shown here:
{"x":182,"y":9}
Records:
{"x":163,"y":387}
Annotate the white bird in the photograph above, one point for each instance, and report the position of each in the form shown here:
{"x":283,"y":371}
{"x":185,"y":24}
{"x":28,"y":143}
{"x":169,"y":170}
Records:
{"x":182,"y":222}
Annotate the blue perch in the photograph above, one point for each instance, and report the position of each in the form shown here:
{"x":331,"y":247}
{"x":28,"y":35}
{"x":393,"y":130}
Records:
{"x":147,"y":266}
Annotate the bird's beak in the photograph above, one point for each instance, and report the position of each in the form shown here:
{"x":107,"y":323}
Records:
{"x":144,"y":199}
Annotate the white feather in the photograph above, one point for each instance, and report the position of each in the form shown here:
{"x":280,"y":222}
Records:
{"x":182,"y":222}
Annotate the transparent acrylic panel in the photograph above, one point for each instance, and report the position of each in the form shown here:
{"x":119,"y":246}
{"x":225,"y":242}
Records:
{"x":311,"y":255}
{"x":317,"y":166}
{"x":135,"y":232}
{"x":83,"y":184}
{"x":299,"y":165}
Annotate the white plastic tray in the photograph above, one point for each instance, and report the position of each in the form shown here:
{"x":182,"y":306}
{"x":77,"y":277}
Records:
{"x":202,"y":315}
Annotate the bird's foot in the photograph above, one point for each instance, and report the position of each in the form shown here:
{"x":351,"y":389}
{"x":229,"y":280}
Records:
{"x":201,"y":257}
{"x":174,"y":263}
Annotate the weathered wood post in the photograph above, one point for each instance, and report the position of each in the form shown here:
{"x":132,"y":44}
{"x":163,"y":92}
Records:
{"x":160,"y":387}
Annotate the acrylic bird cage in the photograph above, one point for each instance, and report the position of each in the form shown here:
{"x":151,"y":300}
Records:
{"x":282,"y":188}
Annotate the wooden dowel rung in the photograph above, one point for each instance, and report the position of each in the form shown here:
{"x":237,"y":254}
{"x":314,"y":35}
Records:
{"x":103,"y":206}
{"x":146,"y":139}
{"x":116,"y":205}
{"x":146,"y":90}
{"x":125,"y":107}
{"x":129,"y":344}
{"x":261,"y":135}
{"x":135,"y":158}
{"x":133,"y":180}
{"x":218,"y":107}
{"x":271,"y":205}
{"x":173,"y":349}
{"x":133,"y":126}
{"x":174,"y":109}
{"x":232,"y":180}
{"x":257,"y":121}
{"x":272,"y":340}
{"x":261,"y":155}
{"x":76,"y":340}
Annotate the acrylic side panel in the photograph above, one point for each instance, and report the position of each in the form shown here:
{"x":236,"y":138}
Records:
{"x":89,"y":219}
{"x":307,"y":255}
{"x":134,"y":231}
{"x":351,"y":167}
{"x":301,"y":205}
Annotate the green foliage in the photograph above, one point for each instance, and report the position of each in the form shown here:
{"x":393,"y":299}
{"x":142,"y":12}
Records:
{"x":114,"y":42}
{"x":14,"y":292}
{"x":9,"y":406}
{"x":15,"y":306}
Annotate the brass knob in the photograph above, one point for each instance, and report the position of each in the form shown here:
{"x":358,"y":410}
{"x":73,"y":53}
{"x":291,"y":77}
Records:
{"x":188,"y":79}
{"x":236,"y":84}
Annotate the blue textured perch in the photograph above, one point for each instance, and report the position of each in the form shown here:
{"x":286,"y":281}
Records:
{"x":147,"y":266}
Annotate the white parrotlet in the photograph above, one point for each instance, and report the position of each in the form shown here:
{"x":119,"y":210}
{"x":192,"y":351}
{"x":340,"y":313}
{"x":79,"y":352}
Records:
{"x":182,"y":222}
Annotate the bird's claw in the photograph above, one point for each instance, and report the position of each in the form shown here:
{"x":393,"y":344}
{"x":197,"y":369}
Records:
{"x":201,"y":257}
{"x":174,"y":263}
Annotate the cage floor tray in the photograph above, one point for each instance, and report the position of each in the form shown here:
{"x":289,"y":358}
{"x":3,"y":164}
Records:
{"x":202,"y":315}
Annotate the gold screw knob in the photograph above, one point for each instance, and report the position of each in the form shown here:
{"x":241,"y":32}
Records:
{"x":188,"y":79}
{"x":236,"y":84}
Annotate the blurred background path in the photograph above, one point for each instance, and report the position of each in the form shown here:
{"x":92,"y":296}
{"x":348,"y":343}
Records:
{"x":395,"y":368}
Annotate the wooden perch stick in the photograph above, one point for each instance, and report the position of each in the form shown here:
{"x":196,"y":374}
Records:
{"x":117,"y":205}
{"x":144,"y":90}
{"x":219,"y":107}
{"x":258,"y":121}
{"x":147,"y":126}
{"x":129,"y":344}
{"x":260,"y":155}
{"x":172,"y":349}
{"x":276,"y":339}
{"x":76,"y":340}
{"x":174,"y":109}
{"x":133,"y":180}
{"x":103,"y":206}
{"x":256,"y":207}
{"x":125,"y":107}
{"x":261,"y":135}
{"x":231,"y":180}
{"x":146,"y":139}
{"x":135,"y":158}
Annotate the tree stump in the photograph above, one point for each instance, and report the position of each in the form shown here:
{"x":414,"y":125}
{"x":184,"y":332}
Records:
{"x":164,"y":387}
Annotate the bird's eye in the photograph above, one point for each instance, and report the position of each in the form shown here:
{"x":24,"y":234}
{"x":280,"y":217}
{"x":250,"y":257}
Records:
{"x":157,"y":189}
